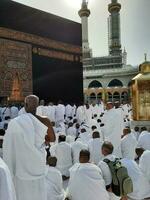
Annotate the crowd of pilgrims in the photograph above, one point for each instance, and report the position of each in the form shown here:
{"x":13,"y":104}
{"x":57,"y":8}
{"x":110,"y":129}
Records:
{"x":71,"y":166}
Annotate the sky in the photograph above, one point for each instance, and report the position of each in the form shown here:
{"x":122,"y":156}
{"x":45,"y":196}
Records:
{"x":135,"y":24}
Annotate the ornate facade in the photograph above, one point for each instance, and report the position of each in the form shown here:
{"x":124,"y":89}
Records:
{"x":108,"y":77}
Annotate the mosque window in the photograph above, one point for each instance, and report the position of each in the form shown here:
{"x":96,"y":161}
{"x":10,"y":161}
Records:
{"x":95,"y":84}
{"x":115,"y":83}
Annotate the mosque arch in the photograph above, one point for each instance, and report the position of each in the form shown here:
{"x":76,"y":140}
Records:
{"x":115,"y":83}
{"x":95,"y":84}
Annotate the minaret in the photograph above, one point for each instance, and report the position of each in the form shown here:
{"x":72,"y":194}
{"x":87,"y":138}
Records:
{"x":114,"y":28}
{"x":124,"y":57}
{"x":84,"y":13}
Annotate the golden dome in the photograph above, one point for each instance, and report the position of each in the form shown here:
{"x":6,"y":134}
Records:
{"x":144,"y":67}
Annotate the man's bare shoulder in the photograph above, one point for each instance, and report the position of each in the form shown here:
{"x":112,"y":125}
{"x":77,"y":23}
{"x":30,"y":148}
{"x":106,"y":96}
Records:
{"x":44,"y":120}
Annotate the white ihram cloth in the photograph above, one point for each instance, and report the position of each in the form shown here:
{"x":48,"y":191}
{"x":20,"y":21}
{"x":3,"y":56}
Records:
{"x":52,"y":110}
{"x":41,"y":110}
{"x":5,"y":112}
{"x":100,"y":108}
{"x":62,"y":151}
{"x":95,"y":146}
{"x":144,"y":164}
{"x":144,"y":140}
{"x":106,"y":173}
{"x":72,"y":132}
{"x":85,"y":137}
{"x":126,"y":109}
{"x":7,"y":191}
{"x":68,"y":110}
{"x":95,"y":110}
{"x":14,"y":112}
{"x":25,"y":156}
{"x":74,"y":110}
{"x":128,"y":146}
{"x":141,"y":186}
{"x":112,"y":129}
{"x":88,"y":115}
{"x":80,"y":114}
{"x":121,"y":117}
{"x":59,"y":113}
{"x":76,"y":147}
{"x":86,"y":183}
{"x":22,"y":111}
{"x":54,"y":184}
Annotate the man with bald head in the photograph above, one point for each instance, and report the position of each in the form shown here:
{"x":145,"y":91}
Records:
{"x":128,"y":144}
{"x":86,"y":180}
{"x":24,"y":151}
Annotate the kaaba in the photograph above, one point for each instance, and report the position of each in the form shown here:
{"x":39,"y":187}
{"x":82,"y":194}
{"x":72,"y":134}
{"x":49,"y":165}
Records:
{"x":40,"y":53}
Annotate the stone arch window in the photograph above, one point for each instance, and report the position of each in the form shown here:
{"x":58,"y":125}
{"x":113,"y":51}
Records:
{"x":116,"y":96}
{"x":115,"y":83}
{"x":95,"y":84}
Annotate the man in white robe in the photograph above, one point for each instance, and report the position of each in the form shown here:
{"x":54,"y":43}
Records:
{"x":76,"y":147}
{"x":68,"y":110}
{"x":7,"y":191}
{"x":59,"y":113}
{"x":71,"y":130}
{"x":95,"y":109}
{"x":86,"y":181}
{"x":62,"y":151}
{"x":112,"y":130}
{"x":41,"y":109}
{"x":51,"y":112}
{"x":119,"y":110}
{"x":84,"y":136}
{"x":6,"y":112}
{"x":126,"y":108}
{"x":144,"y":140}
{"x":24,"y":151}
{"x":88,"y":114}
{"x":144,"y":164}
{"x":80,"y":114}
{"x":107,"y":150}
{"x":95,"y":145}
{"x":21,"y":111}
{"x":14,"y":112}
{"x":54,"y":181}
{"x":136,"y":132}
{"x":141,"y":186}
{"x":128,"y":144}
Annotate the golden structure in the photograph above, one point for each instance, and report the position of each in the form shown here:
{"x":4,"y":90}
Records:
{"x":16,"y":94}
{"x":140,"y":90}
